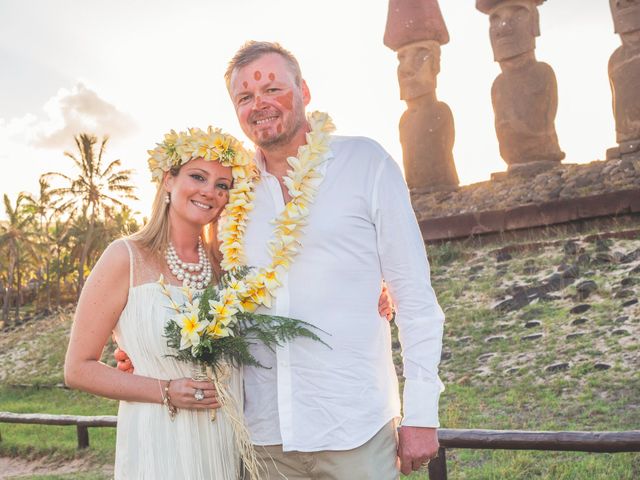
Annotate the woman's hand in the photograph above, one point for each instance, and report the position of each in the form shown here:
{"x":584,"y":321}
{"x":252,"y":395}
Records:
{"x":182,"y":394}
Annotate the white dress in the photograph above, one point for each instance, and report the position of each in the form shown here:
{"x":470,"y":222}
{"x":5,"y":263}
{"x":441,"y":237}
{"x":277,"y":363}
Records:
{"x":149,"y":445}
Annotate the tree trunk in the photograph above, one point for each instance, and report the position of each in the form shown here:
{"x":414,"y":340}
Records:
{"x":85,"y":252}
{"x":36,"y":302}
{"x":7,"y":293}
{"x":48,"y":284}
{"x":59,"y":273}
{"x":18,"y":291}
{"x":7,"y":298}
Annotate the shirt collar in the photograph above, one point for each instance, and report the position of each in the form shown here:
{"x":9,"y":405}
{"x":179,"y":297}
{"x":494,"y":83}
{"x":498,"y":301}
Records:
{"x":262,"y":164}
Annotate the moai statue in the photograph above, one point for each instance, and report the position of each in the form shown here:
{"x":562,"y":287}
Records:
{"x":624,"y":76}
{"x":525,"y":94}
{"x":415,"y":30}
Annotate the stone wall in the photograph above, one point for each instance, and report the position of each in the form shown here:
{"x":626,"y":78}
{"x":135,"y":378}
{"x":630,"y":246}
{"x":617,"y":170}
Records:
{"x":508,"y":202}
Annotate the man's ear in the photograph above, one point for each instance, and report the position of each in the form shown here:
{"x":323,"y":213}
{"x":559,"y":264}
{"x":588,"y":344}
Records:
{"x":306,"y":94}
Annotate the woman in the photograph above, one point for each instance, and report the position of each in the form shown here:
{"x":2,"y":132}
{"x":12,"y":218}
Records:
{"x":122,"y":295}
{"x":195,"y":171}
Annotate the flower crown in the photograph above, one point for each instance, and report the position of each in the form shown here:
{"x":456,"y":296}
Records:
{"x":178,"y":148}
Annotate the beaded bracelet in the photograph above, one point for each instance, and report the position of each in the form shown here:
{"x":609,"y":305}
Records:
{"x":166,"y":400}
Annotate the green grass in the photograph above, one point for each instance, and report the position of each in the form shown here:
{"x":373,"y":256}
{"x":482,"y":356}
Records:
{"x":56,"y":442}
{"x":479,"y":394}
{"x":97,"y":475}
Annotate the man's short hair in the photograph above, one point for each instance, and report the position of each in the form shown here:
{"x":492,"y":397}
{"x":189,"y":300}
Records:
{"x":252,"y":50}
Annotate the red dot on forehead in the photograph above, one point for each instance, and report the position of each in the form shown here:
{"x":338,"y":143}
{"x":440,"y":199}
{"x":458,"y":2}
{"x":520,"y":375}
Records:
{"x":257,"y":75}
{"x":272,"y":76}
{"x":245,"y":84}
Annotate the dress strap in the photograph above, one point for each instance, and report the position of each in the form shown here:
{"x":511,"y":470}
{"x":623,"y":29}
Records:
{"x":130,"y":262}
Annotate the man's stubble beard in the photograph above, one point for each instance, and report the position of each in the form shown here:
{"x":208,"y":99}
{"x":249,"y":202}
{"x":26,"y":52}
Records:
{"x":285,"y":137}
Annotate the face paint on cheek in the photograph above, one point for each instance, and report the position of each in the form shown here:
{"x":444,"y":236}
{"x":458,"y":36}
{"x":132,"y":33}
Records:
{"x":279,"y":129}
{"x":272,"y":76}
{"x":245,"y":84}
{"x":286,"y":101}
{"x":257,"y":75}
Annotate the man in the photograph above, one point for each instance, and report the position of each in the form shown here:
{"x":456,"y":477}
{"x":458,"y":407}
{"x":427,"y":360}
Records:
{"x":330,"y":413}
{"x":321,"y":412}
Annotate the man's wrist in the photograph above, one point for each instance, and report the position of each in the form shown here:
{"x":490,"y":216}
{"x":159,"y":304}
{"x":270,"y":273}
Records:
{"x":420,"y":403}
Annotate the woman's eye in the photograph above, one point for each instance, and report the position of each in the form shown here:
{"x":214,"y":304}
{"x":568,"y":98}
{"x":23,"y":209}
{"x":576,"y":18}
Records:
{"x":197,"y":177}
{"x":223,"y":186}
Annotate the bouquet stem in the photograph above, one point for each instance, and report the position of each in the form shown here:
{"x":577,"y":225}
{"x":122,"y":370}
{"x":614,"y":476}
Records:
{"x":201,"y":373}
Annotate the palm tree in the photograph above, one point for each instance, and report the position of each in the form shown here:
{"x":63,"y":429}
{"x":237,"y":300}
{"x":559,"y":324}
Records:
{"x":46,"y":209}
{"x":60,"y":237}
{"x":95,"y":188}
{"x":16,"y":238}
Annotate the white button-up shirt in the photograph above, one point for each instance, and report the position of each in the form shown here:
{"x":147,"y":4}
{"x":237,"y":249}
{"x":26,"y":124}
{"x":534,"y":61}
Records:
{"x":361,"y":229}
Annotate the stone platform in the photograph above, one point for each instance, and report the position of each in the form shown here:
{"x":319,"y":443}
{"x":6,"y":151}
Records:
{"x":566,"y":193}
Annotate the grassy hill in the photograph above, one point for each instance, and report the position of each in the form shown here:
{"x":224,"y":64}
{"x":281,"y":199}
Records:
{"x":541,"y":334}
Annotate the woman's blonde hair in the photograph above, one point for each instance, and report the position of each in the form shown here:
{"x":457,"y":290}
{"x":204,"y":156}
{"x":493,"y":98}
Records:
{"x":154,"y":236}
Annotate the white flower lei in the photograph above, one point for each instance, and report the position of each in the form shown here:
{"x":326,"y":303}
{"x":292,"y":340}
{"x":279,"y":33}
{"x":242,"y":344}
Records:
{"x":302,"y":182}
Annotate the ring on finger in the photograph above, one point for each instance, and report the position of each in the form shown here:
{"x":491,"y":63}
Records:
{"x":199,"y":394}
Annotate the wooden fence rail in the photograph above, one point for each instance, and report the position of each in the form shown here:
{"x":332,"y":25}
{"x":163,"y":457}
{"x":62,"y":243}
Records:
{"x":596,"y":442}
{"x":81,"y":422}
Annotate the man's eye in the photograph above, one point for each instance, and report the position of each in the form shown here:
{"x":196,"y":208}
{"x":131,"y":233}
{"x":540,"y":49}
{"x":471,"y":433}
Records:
{"x":242,"y":100}
{"x":272,"y":90}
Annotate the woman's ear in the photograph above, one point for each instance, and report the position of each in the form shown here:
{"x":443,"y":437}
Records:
{"x":167,"y":181}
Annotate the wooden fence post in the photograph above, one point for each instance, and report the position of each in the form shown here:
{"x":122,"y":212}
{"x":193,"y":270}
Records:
{"x":83,"y":436}
{"x":438,"y":466}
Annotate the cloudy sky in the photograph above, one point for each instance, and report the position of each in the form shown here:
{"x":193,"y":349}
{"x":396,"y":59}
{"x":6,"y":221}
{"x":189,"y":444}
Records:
{"x":135,"y":69}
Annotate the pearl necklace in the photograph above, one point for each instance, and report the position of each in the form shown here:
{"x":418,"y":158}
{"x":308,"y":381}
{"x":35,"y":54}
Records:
{"x":196,"y":275}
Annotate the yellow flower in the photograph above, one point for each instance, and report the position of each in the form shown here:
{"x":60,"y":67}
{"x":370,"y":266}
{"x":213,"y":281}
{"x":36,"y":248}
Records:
{"x":271,"y":280}
{"x":229,"y":297}
{"x":220,"y":309}
{"x":190,"y":331}
{"x":261,"y":296}
{"x":219,"y":330}
{"x":238,"y":286}
{"x":248,"y":305}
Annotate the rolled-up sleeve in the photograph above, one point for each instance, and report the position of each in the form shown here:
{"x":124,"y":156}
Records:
{"x":419,"y":318}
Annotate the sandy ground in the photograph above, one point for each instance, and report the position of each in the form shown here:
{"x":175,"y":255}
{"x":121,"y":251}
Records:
{"x":14,"y":468}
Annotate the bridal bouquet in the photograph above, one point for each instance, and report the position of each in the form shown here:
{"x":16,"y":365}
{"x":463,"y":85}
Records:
{"x":216,"y":327}
{"x":213,"y":330}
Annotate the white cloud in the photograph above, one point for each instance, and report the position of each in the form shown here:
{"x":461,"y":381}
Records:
{"x":34,"y":143}
{"x":71,"y":112}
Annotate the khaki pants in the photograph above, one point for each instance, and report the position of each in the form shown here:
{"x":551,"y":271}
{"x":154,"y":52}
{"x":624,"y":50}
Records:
{"x":375,"y":460}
